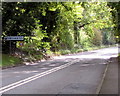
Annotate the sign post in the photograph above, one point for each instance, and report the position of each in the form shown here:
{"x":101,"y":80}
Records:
{"x":10,"y":47}
{"x":13,"y":38}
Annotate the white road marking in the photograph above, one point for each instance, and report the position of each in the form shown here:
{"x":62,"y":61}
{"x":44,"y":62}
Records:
{"x":24,"y":81}
{"x":101,"y":83}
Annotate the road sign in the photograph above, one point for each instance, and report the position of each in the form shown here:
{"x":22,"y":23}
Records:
{"x":21,"y":43}
{"x":17,"y":38}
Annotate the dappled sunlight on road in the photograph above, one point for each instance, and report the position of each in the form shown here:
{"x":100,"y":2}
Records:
{"x":25,"y":72}
{"x":100,"y":54}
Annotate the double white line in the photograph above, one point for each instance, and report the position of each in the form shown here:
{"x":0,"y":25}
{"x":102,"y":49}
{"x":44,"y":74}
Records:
{"x":24,"y":81}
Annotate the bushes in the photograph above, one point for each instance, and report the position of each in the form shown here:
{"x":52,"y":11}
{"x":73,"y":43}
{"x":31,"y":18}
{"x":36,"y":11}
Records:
{"x":97,"y":39}
{"x":66,"y":40}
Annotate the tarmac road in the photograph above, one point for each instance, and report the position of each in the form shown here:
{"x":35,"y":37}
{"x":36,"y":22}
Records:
{"x":79,"y":73}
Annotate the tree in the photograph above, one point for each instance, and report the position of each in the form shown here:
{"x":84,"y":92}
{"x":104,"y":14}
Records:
{"x":61,"y":25}
{"x":116,"y":17}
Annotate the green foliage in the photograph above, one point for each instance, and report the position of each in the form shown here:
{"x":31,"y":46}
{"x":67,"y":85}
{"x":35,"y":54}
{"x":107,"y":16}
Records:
{"x":116,"y":17}
{"x":58,"y":25}
{"x":63,"y":52}
{"x":97,"y":39}
{"x":108,"y":36}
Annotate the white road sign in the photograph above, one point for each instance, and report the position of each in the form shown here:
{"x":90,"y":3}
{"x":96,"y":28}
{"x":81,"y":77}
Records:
{"x":14,"y":38}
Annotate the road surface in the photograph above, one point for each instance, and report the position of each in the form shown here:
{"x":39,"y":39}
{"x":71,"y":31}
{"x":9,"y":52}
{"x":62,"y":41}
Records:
{"x":79,"y":73}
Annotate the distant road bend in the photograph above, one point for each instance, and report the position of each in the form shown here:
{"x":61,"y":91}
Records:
{"x":79,"y":73}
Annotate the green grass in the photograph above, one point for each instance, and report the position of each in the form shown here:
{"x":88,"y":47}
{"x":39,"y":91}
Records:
{"x":8,"y":61}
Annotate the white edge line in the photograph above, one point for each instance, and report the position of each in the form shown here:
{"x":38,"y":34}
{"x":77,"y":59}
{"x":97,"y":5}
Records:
{"x":102,"y":80}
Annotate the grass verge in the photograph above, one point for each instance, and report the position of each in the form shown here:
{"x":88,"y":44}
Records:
{"x":9,"y":61}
